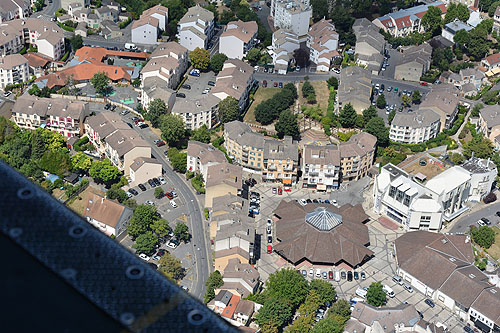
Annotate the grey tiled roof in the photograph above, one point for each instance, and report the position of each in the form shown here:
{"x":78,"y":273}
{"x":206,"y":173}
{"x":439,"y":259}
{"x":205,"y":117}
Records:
{"x":417,"y":119}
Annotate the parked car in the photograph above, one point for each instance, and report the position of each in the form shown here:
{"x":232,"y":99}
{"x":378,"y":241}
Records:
{"x":173,"y":204}
{"x":142,"y":187}
{"x":468,"y":329}
{"x":304,"y":273}
{"x":169,"y":195}
{"x":408,"y":287}
{"x":269,"y":249}
{"x":160,"y":143}
{"x":275,"y":84}
{"x":280,"y":191}
{"x":425,"y":84}
{"x":174,"y":193}
{"x":356,"y":276}
{"x":485,"y":220}
{"x":280,"y":84}
{"x":162,"y":180}
{"x":397,"y":279}
{"x":149,"y":202}
{"x":181,"y":95}
{"x":269,"y":239}
{"x":133,"y":191}
{"x":275,"y":190}
{"x":7,"y":93}
{"x":498,"y":213}
{"x":186,"y":86}
{"x":343,"y":275}
{"x":107,"y":106}
{"x":311,"y":272}
{"x":143,"y":125}
{"x":264,"y":83}
{"x":173,"y":243}
{"x":388,"y":290}
{"x":429,"y":302}
{"x":113,"y":107}
{"x":211,"y":83}
{"x":349,"y":276}
{"x":124,"y":112}
{"x":156,"y":181}
{"x":268,"y":229}
{"x":303,"y":202}
{"x":144,"y":257}
{"x":330,"y":275}
{"x":363,"y":276}
{"x":195,"y":72}
{"x":325,"y":276}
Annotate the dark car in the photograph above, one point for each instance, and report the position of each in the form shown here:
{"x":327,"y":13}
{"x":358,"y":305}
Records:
{"x":142,"y":187}
{"x":113,"y":107}
{"x":309,"y":201}
{"x":107,"y":106}
{"x":498,"y":213}
{"x":157,"y":181}
{"x":269,"y":239}
{"x":485,"y":220}
{"x":134,"y":192}
{"x":315,"y":201}
{"x":186,"y":86}
{"x":211,"y":83}
{"x":143,"y":126}
{"x":130,"y":125}
{"x":134,"y":118}
{"x":280,"y":84}
{"x":429,"y":302}
{"x":264,"y":83}
{"x":151,"y":183}
{"x":349,"y":276}
{"x":468,"y":329}
{"x":343,"y":275}
{"x":181,"y":95}
{"x":356,"y":276}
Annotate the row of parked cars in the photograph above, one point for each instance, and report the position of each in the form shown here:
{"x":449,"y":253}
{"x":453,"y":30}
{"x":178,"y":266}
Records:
{"x":304,"y":202}
{"x":337,"y":275}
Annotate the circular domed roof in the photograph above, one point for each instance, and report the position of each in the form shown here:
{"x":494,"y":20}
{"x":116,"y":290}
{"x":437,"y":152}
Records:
{"x":323,"y":219}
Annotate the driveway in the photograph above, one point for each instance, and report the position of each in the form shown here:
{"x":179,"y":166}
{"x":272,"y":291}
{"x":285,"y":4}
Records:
{"x":462,"y":225}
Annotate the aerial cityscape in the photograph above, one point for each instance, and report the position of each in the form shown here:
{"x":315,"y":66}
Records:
{"x":293,"y":165}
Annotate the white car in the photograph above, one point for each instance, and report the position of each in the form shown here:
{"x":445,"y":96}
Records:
{"x":173,"y":243}
{"x":311,"y":272}
{"x":149,"y":202}
{"x":144,"y":257}
{"x":173,"y":204}
{"x":303,"y":202}
{"x":162,"y":180}
{"x":269,"y":222}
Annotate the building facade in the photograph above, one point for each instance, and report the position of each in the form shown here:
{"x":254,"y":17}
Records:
{"x":196,"y":28}
{"x":238,"y":38}
{"x":14,"y":69}
{"x":415,"y":127}
{"x":236,"y":79}
{"x":293,"y":15}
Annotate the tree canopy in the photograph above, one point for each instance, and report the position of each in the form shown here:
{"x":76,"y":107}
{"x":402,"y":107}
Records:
{"x":376,"y":296}
{"x":324,"y":289}
{"x":171,"y":267}
{"x":287,"y":124}
{"x":376,"y":127}
{"x":100,"y":82}
{"x":146,"y":243}
{"x":481,"y":147}
{"x":200,"y":58}
{"x":289,"y":284}
{"x":432,"y":20}
{"x":270,"y":109}
{"x":156,"y":109}
{"x":274,"y":312}
{"x":172,"y":128}
{"x":484,"y":236}
{"x":348,"y":116}
{"x":456,"y":11}
{"x":217,"y":62}
{"x":181,"y":232}
{"x":201,"y":134}
{"x":229,"y":109}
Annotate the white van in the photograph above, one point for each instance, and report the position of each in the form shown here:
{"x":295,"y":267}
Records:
{"x":318,"y":273}
{"x":361,"y":292}
{"x":337,"y":276}
{"x":388,"y":290}
{"x":173,"y":204}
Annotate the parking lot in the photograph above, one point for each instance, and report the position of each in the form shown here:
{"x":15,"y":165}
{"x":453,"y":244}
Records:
{"x":381,"y":267}
{"x":198,"y":84}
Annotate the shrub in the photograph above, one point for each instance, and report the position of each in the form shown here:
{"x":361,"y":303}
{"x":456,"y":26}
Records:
{"x":490,"y":197}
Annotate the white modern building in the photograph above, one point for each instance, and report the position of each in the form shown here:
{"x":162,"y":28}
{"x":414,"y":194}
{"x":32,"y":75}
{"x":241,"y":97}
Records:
{"x":147,"y":29}
{"x":236,"y":79}
{"x":198,"y":111}
{"x":415,"y":127}
{"x":420,"y":204}
{"x":13,"y":69}
{"x":238,"y":38}
{"x":196,"y":28}
{"x":293,"y":15}
{"x":323,"y":41}
{"x":200,"y":156}
{"x":284,"y":43}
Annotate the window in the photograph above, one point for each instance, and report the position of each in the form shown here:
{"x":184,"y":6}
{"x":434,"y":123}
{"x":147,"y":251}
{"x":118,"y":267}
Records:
{"x":400,"y":196}
{"x":441,"y":298}
{"x":392,"y":192}
{"x":406,"y":201}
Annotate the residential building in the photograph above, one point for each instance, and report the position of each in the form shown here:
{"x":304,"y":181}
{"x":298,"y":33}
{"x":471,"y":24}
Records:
{"x":159,"y":12}
{"x":240,"y":278}
{"x":416,"y":60}
{"x":324,"y":167}
{"x":366,"y":317}
{"x":419,"y":203}
{"x":284,"y":43}
{"x":244,"y":311}
{"x":65,"y":4}
{"x":110,"y":30}
{"x":496,"y":19}
{"x":222,"y":179}
{"x":406,"y":21}
{"x":81,"y":29}
{"x":196,"y":28}
{"x":37,"y":63}
{"x":14,"y":69}
{"x":323,"y":41}
{"x":221,"y":300}
{"x":14,"y":9}
{"x":355,"y":88}
{"x":489,"y":123}
{"x":199,"y":111}
{"x":415,"y":127}
{"x":491,"y":62}
{"x":484,"y":310}
{"x":370,"y":45}
{"x":238,"y":38}
{"x":153,"y":88}
{"x":232,"y":307}
{"x":450,"y":29}
{"x":236,"y":79}
{"x":444,"y":101}
{"x":293,"y":15}
{"x":124,"y":146}
{"x":106,"y":14}
{"x":322,"y":234}
{"x":276,"y":160}
{"x":146,"y":30}
{"x":169,"y":62}
{"x":234,"y":241}
{"x":469,"y":3}
{"x":100,"y":126}
{"x":469,"y":80}
{"x":200,"y":156}
{"x":57,"y":115}
{"x":142,"y":169}
{"x":106,"y":215}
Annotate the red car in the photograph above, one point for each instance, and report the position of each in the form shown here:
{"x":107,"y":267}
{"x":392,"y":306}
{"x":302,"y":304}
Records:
{"x":264,"y":83}
{"x":160,"y":143}
{"x":330,"y":275}
{"x":287,"y":188}
{"x":269,"y":249}
{"x":169,"y":195}
{"x":425,"y":84}
{"x":280,"y":191}
{"x":275,"y":84}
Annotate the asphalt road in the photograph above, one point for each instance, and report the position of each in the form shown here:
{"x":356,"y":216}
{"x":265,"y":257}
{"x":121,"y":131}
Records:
{"x":194,"y":213}
{"x":462,"y":225}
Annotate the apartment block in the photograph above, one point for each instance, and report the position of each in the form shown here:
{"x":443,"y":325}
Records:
{"x":284,"y":43}
{"x":196,"y":28}
{"x":443,"y":100}
{"x":238,"y":38}
{"x":14,"y":69}
{"x":293,"y":15}
{"x":147,"y":29}
{"x":416,"y":60}
{"x":323,"y":41}
{"x":14,"y":9}
{"x":198,"y":112}
{"x":124,"y":146}
{"x":236,"y":79}
{"x":200,"y":156}
{"x":58,"y":115}
{"x":370,"y":45}
{"x":415,"y":127}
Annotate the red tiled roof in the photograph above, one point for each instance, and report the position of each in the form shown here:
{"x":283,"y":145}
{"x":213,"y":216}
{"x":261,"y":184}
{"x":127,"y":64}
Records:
{"x":85,"y":72}
{"x":97,"y":54}
{"x":228,"y":311}
{"x":36,"y":59}
{"x":493,"y":59}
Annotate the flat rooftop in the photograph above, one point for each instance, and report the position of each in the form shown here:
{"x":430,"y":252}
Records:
{"x":414,"y":165}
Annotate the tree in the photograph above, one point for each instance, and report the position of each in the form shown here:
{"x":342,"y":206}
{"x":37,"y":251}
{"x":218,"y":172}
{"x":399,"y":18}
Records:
{"x":275,"y":311}
{"x":369,"y":113}
{"x":432,"y":20}
{"x":156,"y":109}
{"x":159,"y":193}
{"x":333,"y":82}
{"x":461,"y":37}
{"x":307,"y":89}
{"x":287,"y":124}
{"x":301,"y":57}
{"x":457,"y":11}
{"x":116,"y":193}
{"x":481,"y":147}
{"x":201,"y":134}
{"x":200,"y":58}
{"x":217,"y":62}
{"x":38,"y":147}
{"x":490,"y":97}
{"x":104,"y":171}
{"x":348,"y":116}
{"x":307,"y":311}
{"x":457,"y":158}
{"x":56,"y":161}
{"x":376,"y":295}
{"x":34,"y":90}
{"x":376,"y":127}
{"x":406,"y":100}
{"x":100,"y":82}
{"x":160,"y":227}
{"x":229,"y":109}
{"x":209,"y":295}
{"x":325,"y":290}
{"x":181,"y":232}
{"x":476,"y":109}
{"x":492,"y":8}
{"x":214,"y":280}
{"x":489,"y":198}
{"x":328,"y":325}
{"x":320,"y":9}
{"x":146,"y":243}
{"x":253,"y":56}
{"x":80,"y":161}
{"x":172,"y":128}
{"x":416,"y":96}
{"x":381,"y":102}
{"x":392,"y":114}
{"x":142,"y":218}
{"x":484,"y":236}
{"x":171,"y":267}
{"x":341,"y":308}
{"x":76,"y":42}
{"x":288,"y":284}
{"x":478,"y":46}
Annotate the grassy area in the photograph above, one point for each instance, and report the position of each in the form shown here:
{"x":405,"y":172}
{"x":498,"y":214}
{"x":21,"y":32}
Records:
{"x":78,"y":205}
{"x":261,"y":95}
{"x":322,"y":94}
{"x":494,"y":250}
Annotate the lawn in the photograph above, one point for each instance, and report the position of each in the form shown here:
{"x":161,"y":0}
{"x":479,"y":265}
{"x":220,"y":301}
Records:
{"x":322,"y":94}
{"x":261,"y":95}
{"x":494,"y":250}
{"x":78,"y":205}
